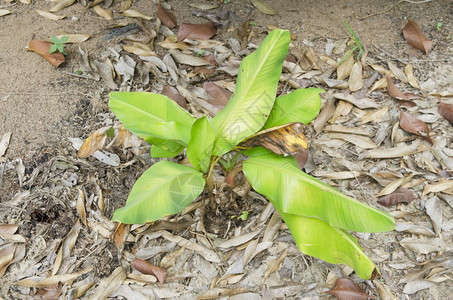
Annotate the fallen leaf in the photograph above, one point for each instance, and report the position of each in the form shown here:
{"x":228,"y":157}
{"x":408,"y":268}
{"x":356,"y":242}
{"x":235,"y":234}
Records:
{"x":8,"y":228}
{"x":203,"y":6}
{"x":4,"y":143}
{"x":172,"y":93}
{"x":125,"y":5}
{"x":166,"y":17}
{"x":61,"y":4}
{"x":43,"y":48}
{"x":80,"y":207}
{"x":345,"y":68}
{"x":6,"y":256}
{"x":139,"y":49}
{"x":445,"y":110}
{"x":409,"y":71}
{"x":398,"y":196}
{"x":73,"y":38}
{"x":355,"y":78}
{"x":399,"y":151}
{"x":49,"y":281}
{"x":434,"y":211}
{"x":49,"y":15}
{"x":360,"y":141}
{"x":105,"y":13}
{"x":4,"y":12}
{"x":264,"y":7}
{"x":274,"y":265}
{"x":239,"y":240}
{"x":285,"y":140}
{"x":168,"y":43}
{"x":108,"y":158}
{"x":413,"y":125}
{"x":66,"y":247}
{"x":397,"y":72}
{"x":346,"y":289}
{"x":326,"y":113}
{"x":417,"y":285}
{"x":396,"y":93}
{"x":106,"y":71}
{"x":438,"y":187}
{"x":196,"y":31}
{"x":220,"y":95}
{"x":187,"y":59}
{"x":93,"y":143}
{"x":109,"y":284}
{"x":414,"y":37}
{"x":362,"y":103}
{"x":135,"y":14}
{"x":51,"y":292}
{"x":423,"y":245}
{"x":375,"y":115}
{"x":148,"y":268}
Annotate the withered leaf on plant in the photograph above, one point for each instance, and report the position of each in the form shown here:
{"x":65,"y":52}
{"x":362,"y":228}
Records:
{"x":398,"y":196}
{"x":196,"y":31}
{"x":43,"y":48}
{"x":166,"y":17}
{"x":413,"y":125}
{"x":346,"y":289}
{"x":446,"y":111}
{"x":414,"y":37}
{"x":285,"y":140}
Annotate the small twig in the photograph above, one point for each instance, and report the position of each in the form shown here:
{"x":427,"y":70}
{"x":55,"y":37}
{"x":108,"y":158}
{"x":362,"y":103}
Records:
{"x":392,"y":7}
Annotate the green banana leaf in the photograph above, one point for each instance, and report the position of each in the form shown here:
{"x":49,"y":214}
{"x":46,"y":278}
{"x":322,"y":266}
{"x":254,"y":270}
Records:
{"x":164,"y":189}
{"x":254,"y":96}
{"x":200,"y":146}
{"x":151,"y":116}
{"x":316,"y":238}
{"x":166,"y":150}
{"x":301,"y":105}
{"x":294,"y":192}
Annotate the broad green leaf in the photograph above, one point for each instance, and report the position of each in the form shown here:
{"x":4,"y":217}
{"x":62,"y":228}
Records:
{"x":165,"y":188}
{"x":199,"y":150}
{"x":55,"y":39}
{"x":53,"y":48}
{"x":254,"y":96}
{"x":316,"y":238}
{"x":151,"y":115}
{"x":256,"y":151}
{"x":158,"y":151}
{"x":295,"y":192}
{"x":301,"y":105}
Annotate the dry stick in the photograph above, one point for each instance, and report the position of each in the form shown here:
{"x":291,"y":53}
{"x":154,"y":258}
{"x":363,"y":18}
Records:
{"x":392,"y":7}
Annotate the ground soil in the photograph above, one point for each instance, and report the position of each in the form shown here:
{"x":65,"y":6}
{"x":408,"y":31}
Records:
{"x":43,"y":106}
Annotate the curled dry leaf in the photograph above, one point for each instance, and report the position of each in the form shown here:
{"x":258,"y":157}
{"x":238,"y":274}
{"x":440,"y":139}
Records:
{"x":219,"y":94}
{"x":196,"y":31}
{"x":49,"y":15}
{"x":43,"y":48}
{"x":409,"y":71}
{"x":398,"y":196}
{"x":264,"y":7}
{"x":286,"y":139}
{"x":415,"y":38}
{"x":166,"y":17}
{"x":173,"y":93}
{"x":148,"y":268}
{"x":413,"y":125}
{"x":93,"y":143}
{"x":396,"y":93}
{"x":61,"y":4}
{"x":346,"y":289}
{"x":445,"y":110}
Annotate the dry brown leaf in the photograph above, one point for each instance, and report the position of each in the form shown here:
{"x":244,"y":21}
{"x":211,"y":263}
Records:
{"x":285,"y":140}
{"x":346,"y":289}
{"x":374,"y":115}
{"x":264,"y":7}
{"x":61,"y":4}
{"x":413,"y":125}
{"x":6,"y":256}
{"x":360,"y":141}
{"x":206,"y":253}
{"x":108,"y":285}
{"x":51,"y":292}
{"x":398,"y":196}
{"x":392,"y":186}
{"x":275,"y":265}
{"x":220,"y":95}
{"x":135,"y":14}
{"x":345,"y":68}
{"x":125,"y":5}
{"x":93,"y":143}
{"x":424,"y":246}
{"x":395,"y":152}
{"x":139,"y":49}
{"x":434,"y":211}
{"x":196,"y":31}
{"x":362,"y":103}
{"x":148,"y":268}
{"x":73,"y":38}
{"x":397,"y":94}
{"x":4,"y":12}
{"x":166,"y":17}
{"x":8,"y":228}
{"x":43,"y":48}
{"x":49,"y":15}
{"x":172,"y":93}
{"x":106,"y":71}
{"x":4,"y":143}
{"x":168,"y":43}
{"x":398,"y":73}
{"x":105,"y":13}
{"x":383,"y":71}
{"x":355,"y":78}
{"x":80,"y":207}
{"x":445,"y":110}
{"x":414,"y":37}
{"x":54,"y":279}
{"x":345,"y":129}
{"x":203,"y":6}
{"x":326,"y":113}
{"x":120,"y":236}
{"x":409,"y":71}
{"x":66,"y":247}
{"x":186,"y":59}
{"x":438,"y":187}
{"x":240,"y":240}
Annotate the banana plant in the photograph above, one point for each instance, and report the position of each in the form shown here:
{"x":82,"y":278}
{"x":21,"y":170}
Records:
{"x":318,"y":216}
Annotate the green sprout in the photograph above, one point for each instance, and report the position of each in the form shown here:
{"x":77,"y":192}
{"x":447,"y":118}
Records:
{"x":356,"y":46}
{"x":58,"y":44}
{"x":253,"y":23}
{"x":439,"y":25}
{"x":244,"y":215}
{"x":201,"y":52}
